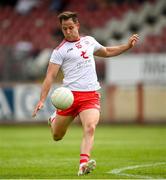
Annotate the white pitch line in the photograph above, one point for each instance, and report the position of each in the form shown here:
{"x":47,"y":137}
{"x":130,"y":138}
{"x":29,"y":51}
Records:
{"x":120,"y":170}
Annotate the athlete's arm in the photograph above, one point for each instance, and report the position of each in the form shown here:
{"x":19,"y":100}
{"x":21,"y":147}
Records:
{"x":52,"y":72}
{"x":116,"y":50}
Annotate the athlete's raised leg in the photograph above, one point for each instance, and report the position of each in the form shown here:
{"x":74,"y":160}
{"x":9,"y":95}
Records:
{"x":59,"y":125}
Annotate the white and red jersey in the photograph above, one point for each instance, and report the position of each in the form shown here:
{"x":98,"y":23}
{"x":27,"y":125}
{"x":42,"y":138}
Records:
{"x":77,"y":63}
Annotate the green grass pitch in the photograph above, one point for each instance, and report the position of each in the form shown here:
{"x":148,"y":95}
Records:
{"x":125,"y":151}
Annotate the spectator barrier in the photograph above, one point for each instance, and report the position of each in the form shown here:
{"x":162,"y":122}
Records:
{"x":134,"y":91}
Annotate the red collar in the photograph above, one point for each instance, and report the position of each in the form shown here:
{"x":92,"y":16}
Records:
{"x":73,"y":40}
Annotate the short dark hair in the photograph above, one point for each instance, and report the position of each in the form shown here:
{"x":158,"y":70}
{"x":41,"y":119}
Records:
{"x":67,"y":15}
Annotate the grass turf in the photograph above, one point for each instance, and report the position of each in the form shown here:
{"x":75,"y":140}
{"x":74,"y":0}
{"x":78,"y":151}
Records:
{"x":28,"y":152}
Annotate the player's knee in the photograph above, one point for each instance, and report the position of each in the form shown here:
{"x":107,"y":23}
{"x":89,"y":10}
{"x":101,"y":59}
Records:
{"x":57,"y":137}
{"x":90,"y":129}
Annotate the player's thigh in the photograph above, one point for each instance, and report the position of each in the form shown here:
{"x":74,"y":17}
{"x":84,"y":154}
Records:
{"x":89,"y":117}
{"x":61,"y":123}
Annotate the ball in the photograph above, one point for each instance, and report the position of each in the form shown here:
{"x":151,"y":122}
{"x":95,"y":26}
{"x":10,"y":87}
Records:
{"x":62,"y":98}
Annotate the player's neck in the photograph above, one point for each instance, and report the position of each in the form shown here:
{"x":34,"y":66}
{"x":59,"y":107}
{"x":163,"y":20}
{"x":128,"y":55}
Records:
{"x":73,"y":40}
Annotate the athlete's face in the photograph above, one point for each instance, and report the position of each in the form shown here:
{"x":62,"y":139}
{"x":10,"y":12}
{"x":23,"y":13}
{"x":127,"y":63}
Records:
{"x":70,"y":30}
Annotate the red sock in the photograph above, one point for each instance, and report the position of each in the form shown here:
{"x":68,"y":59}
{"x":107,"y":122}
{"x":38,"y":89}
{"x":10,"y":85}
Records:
{"x":84,"y":158}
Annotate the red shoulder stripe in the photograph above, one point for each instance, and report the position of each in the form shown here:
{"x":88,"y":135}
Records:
{"x":61,"y":44}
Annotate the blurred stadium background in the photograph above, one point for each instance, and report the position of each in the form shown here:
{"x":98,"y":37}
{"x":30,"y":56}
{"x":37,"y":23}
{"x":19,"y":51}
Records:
{"x":133,"y":84}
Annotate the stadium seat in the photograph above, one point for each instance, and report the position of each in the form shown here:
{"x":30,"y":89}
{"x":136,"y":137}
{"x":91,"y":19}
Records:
{"x":115,"y":22}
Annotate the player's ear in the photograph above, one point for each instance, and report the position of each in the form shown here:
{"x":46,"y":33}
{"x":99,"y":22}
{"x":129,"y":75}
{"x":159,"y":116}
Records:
{"x":78,"y":25}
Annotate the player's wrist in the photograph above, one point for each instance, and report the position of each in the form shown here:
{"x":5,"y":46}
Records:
{"x":41,"y":101}
{"x":128,"y":46}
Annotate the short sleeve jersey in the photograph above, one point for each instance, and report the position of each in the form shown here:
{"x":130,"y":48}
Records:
{"x":77,"y":63}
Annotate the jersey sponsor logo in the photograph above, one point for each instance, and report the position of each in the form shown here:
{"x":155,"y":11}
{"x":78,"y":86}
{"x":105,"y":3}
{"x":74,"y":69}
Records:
{"x":84,"y":64}
{"x":83,"y":54}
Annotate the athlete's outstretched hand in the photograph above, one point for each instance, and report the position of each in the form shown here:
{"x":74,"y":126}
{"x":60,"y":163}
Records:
{"x":37,"y":108}
{"x":133,"y":40}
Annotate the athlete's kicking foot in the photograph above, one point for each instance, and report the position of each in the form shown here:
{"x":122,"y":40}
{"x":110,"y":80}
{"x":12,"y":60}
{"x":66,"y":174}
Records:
{"x":86,"y":168}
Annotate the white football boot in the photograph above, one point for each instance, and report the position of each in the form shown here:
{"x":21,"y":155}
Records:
{"x":86,"y":168}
